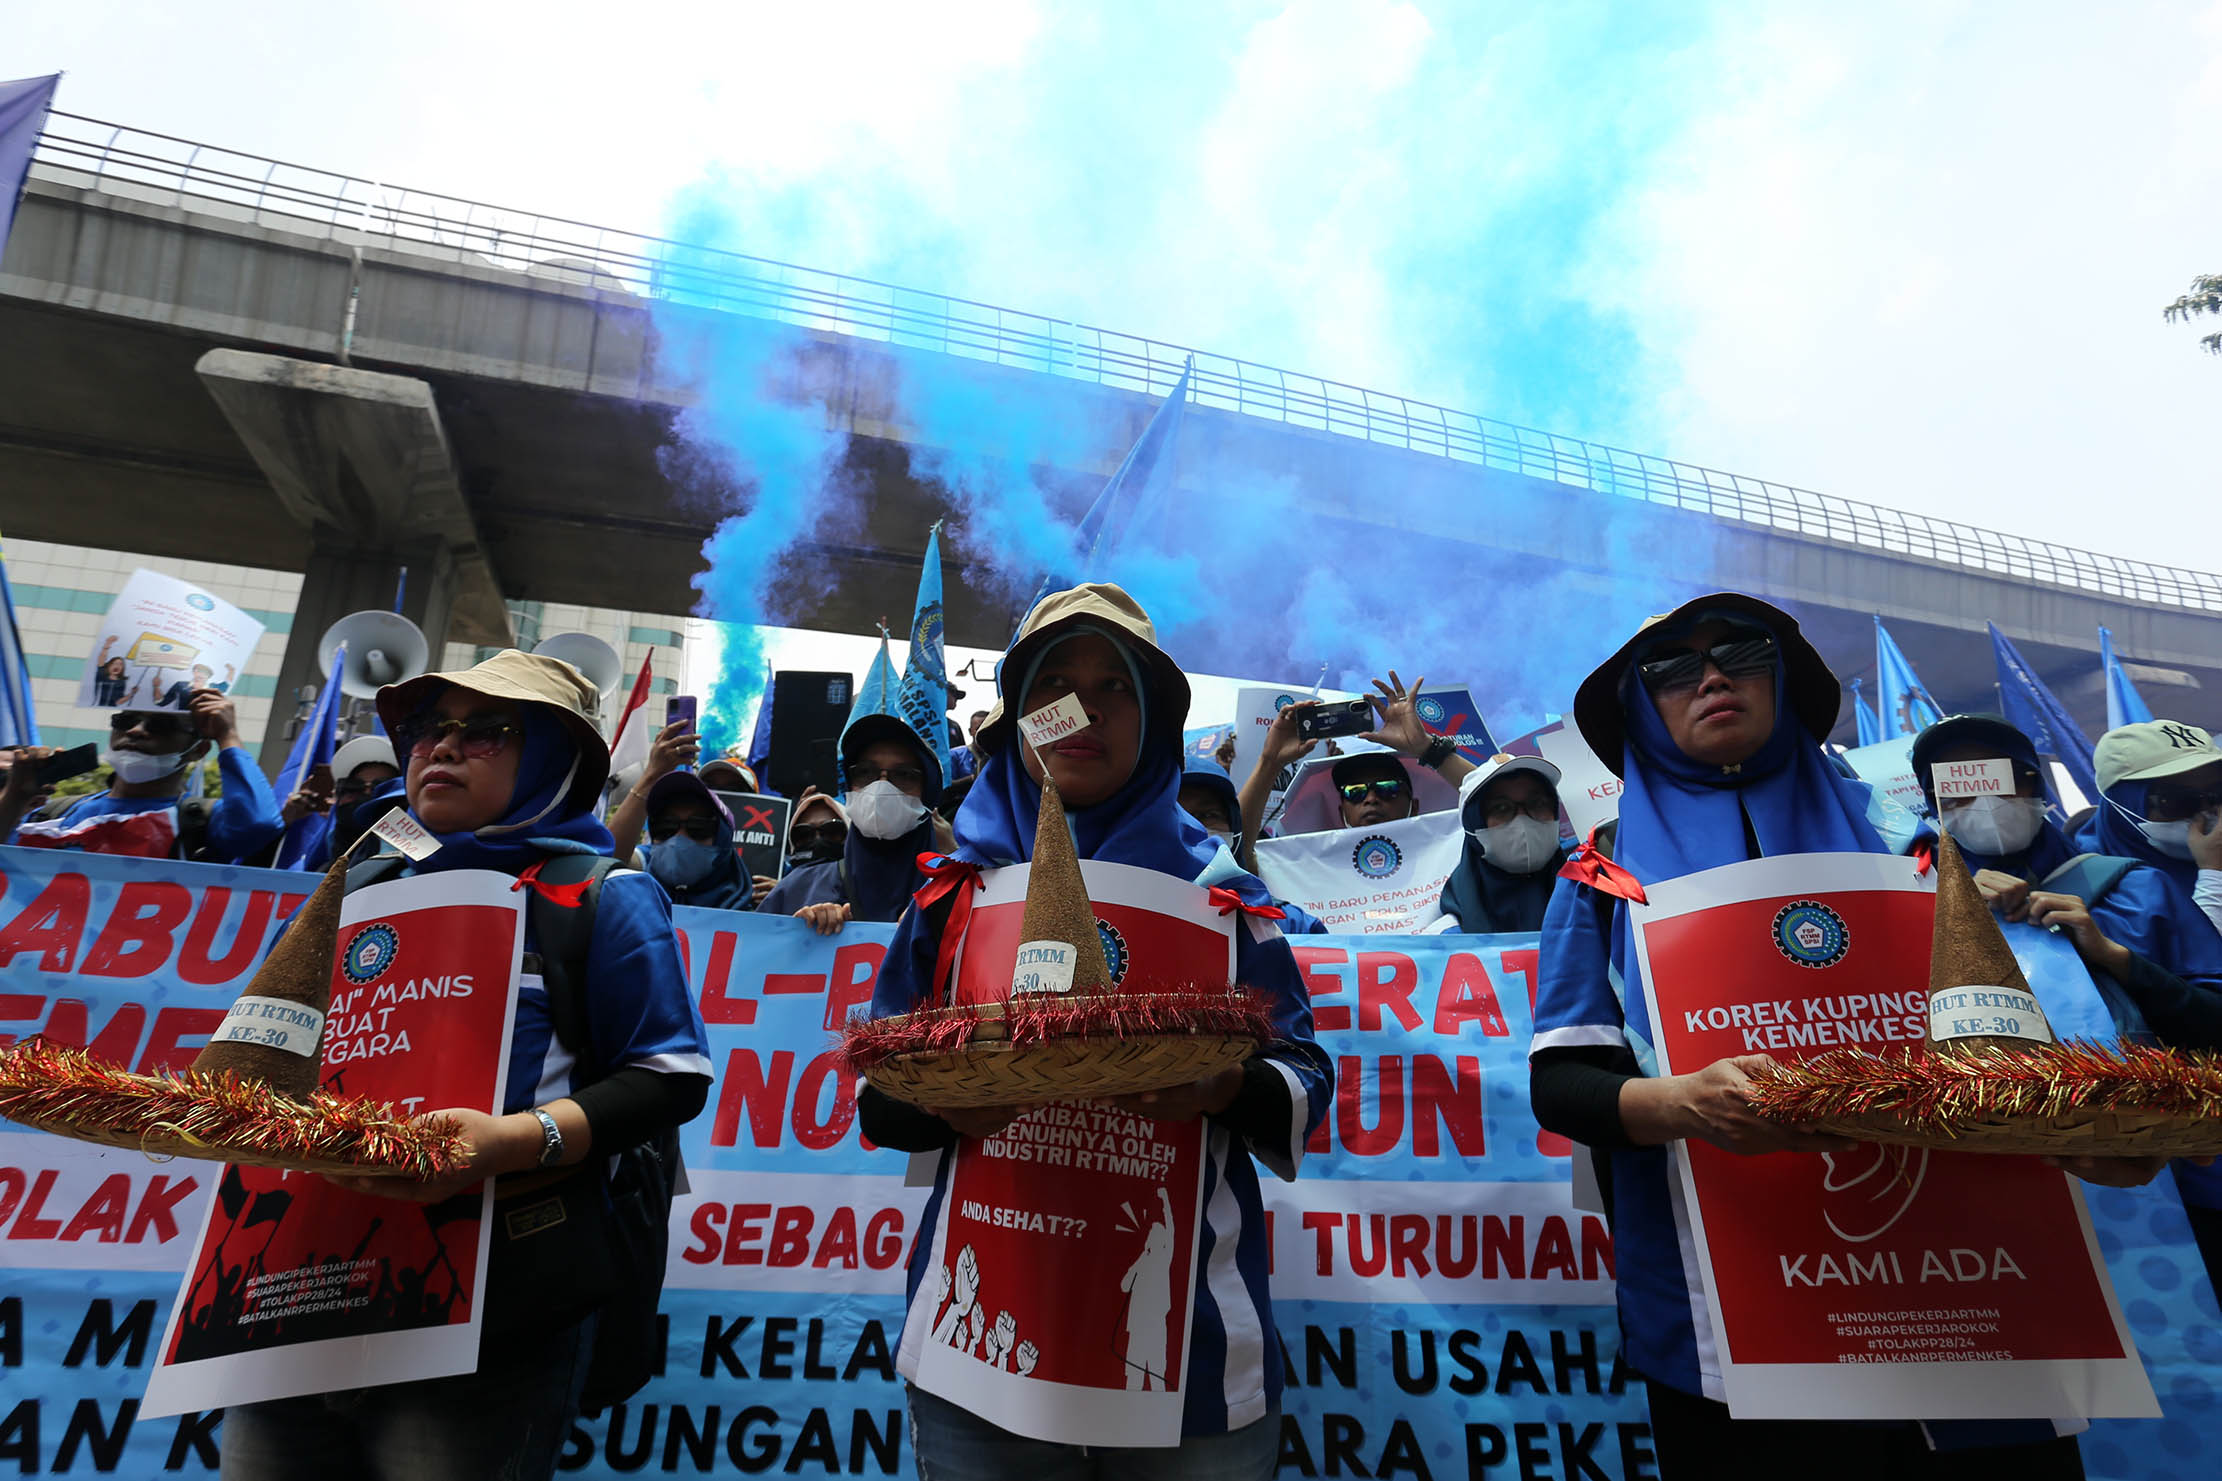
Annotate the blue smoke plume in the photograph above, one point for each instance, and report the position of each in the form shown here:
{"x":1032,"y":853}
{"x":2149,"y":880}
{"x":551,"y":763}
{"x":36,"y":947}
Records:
{"x":1496,"y":162}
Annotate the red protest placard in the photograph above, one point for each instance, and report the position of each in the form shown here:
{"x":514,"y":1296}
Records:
{"x":298,"y":1286}
{"x":1934,"y":1284}
{"x":1064,"y":1261}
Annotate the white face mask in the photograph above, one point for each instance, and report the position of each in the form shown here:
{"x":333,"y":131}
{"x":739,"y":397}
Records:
{"x":1996,"y":825}
{"x":2172,"y":839}
{"x":134,"y":767}
{"x":1520,"y":846}
{"x":884,"y":811}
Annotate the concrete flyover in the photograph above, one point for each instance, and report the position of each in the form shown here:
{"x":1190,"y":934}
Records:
{"x":203,"y":366}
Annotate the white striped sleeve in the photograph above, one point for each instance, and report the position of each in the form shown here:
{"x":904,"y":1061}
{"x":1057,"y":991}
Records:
{"x":1579,"y":1036}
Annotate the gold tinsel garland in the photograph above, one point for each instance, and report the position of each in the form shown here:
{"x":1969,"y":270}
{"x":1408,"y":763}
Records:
{"x":222,"y":1117}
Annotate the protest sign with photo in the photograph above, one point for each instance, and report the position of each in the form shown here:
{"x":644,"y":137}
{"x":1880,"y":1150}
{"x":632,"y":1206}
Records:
{"x":162,"y":639}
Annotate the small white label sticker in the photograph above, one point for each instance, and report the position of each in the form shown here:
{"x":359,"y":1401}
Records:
{"x":407,"y":834}
{"x":1053,"y":722}
{"x":1986,"y":1012}
{"x":273,"y":1023}
{"x":1993,"y":778}
{"x":1043,"y":967}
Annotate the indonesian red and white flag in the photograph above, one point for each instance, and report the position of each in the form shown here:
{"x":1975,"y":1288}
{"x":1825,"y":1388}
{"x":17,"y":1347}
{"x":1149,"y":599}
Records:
{"x":629,"y":742}
{"x":148,"y":835}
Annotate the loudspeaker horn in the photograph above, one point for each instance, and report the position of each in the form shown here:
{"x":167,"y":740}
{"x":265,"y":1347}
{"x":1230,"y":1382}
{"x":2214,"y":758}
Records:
{"x":589,"y":655}
{"x":382,"y":648}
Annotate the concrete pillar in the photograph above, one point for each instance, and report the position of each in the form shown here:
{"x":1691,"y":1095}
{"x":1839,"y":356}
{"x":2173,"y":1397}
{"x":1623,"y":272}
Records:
{"x":340,"y":582}
{"x":361,"y":459}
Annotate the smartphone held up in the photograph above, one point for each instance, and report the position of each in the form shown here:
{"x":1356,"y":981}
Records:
{"x":1325,"y":719}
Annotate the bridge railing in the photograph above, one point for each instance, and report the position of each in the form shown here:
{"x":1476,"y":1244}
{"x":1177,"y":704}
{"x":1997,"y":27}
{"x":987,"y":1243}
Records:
{"x":134,"y":163}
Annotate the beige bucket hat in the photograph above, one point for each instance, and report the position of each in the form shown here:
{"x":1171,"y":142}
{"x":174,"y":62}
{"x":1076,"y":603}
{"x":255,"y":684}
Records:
{"x":518,"y":678}
{"x":1093,"y":604}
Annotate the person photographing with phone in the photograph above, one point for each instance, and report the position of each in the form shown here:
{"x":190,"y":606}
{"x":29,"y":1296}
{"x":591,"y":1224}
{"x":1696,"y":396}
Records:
{"x":690,"y":833}
{"x":150,"y":755}
{"x":1371,"y":788}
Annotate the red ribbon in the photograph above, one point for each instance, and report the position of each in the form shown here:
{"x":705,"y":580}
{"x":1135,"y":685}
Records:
{"x":569,"y":896}
{"x":1228,"y":902}
{"x":944,"y":874}
{"x":1923,"y":857}
{"x":1588,"y":865}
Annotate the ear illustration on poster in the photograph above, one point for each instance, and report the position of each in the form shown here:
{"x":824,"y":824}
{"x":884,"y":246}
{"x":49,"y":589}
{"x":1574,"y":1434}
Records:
{"x":1870,"y":1188}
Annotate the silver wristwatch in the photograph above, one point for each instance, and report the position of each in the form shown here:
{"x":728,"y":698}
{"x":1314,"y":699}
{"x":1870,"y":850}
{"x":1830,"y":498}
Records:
{"x":551,"y":1139}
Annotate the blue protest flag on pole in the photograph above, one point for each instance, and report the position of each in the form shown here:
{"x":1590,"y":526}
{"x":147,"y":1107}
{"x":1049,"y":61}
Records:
{"x":760,"y":743}
{"x":19,"y":716}
{"x":922,"y":699}
{"x":1140,"y":484}
{"x":2031,"y":708}
{"x":1870,"y":723}
{"x":2124,"y":705}
{"x":23,"y":106}
{"x":1902,"y":703}
{"x":312,"y":748}
{"x":876,"y":695}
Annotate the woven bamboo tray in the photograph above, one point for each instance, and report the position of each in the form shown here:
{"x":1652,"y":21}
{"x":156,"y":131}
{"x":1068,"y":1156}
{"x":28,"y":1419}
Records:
{"x":1084,"y":1048}
{"x":2079,"y":1099}
{"x":215,"y":1118}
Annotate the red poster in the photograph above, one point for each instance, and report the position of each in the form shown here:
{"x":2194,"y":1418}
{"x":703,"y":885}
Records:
{"x":298,"y":1286}
{"x":1934,"y":1284}
{"x":1064,"y":1260}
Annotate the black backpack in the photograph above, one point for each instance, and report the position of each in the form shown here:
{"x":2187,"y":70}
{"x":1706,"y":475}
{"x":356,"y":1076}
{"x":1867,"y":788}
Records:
{"x":565,"y":1252}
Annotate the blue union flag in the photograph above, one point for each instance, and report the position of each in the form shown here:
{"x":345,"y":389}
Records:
{"x":922,"y":699}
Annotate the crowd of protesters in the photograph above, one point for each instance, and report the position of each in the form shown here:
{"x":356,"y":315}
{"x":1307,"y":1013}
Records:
{"x":1715,"y":716}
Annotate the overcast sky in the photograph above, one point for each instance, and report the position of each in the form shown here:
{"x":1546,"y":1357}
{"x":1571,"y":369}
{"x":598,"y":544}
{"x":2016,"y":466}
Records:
{"x":1913,"y":254}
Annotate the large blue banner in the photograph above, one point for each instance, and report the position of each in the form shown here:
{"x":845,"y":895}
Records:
{"x":1443,"y":1309}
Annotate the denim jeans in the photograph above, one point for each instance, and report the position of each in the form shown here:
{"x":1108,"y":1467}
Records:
{"x":954,"y":1444}
{"x":505,"y":1422}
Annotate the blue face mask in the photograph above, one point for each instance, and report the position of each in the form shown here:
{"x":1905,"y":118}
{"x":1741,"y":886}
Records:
{"x":679,"y":861}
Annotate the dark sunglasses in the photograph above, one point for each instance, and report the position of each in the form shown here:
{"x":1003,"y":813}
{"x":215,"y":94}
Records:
{"x":152,"y":722}
{"x":476,"y":738}
{"x":1388,"y":789}
{"x":1737,"y":657}
{"x":807,"y":836}
{"x":2174,"y":804}
{"x":701,"y":830}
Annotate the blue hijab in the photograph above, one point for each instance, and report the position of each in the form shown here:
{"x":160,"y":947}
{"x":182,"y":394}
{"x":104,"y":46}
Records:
{"x":882,"y":873}
{"x":727,"y":886}
{"x":543,"y":817}
{"x":2109,"y":832}
{"x":1679,"y":815}
{"x":1142,"y":824}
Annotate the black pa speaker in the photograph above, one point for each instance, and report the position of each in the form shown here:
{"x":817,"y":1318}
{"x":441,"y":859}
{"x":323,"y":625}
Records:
{"x":808,"y":711}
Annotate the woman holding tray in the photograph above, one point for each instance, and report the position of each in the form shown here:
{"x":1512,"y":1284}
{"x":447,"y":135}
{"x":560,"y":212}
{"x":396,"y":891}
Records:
{"x":1713,"y":714}
{"x":1119,"y":777}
